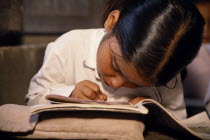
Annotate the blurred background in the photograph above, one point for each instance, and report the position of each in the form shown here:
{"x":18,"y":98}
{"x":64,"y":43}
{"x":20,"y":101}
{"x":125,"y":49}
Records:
{"x":27,"y":26}
{"x":39,"y":21}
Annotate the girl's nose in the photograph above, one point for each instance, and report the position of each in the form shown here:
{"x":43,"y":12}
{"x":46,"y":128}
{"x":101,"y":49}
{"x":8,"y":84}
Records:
{"x":117,"y":82}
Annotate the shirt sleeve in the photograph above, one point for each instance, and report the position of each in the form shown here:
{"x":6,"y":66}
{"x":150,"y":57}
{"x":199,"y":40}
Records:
{"x":51,"y":78}
{"x":173,"y":98}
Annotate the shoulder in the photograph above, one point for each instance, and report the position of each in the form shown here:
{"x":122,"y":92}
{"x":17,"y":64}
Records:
{"x":72,"y":42}
{"x":77,"y":35}
{"x":74,"y":39}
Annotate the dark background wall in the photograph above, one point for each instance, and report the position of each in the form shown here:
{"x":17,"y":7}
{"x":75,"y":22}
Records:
{"x":11,"y":21}
{"x":26,"y":26}
{"x":58,"y":16}
{"x":38,"y":21}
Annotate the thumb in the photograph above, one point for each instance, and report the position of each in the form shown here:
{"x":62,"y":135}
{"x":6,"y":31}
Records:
{"x":101,"y":97}
{"x":104,"y":97}
{"x":137,"y":99}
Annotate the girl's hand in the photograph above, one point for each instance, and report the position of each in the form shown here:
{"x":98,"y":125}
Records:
{"x":136,"y":100}
{"x":89,"y":91}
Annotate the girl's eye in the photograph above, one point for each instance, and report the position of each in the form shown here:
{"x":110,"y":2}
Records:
{"x":114,"y":66}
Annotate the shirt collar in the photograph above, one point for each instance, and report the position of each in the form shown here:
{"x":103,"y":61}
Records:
{"x":91,"y":48}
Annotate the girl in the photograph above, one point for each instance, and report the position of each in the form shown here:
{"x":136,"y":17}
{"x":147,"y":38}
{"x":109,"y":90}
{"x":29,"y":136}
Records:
{"x":139,"y":53}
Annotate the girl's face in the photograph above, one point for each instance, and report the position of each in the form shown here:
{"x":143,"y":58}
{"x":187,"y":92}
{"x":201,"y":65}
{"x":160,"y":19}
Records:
{"x":113,"y":69}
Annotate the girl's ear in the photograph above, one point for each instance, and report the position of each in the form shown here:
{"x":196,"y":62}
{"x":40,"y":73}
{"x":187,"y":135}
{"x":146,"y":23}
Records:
{"x":112,"y":20}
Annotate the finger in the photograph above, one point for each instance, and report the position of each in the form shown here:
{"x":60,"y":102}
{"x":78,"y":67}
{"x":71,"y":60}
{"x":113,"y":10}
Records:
{"x":137,"y":99}
{"x":97,"y":99}
{"x":105,"y":97}
{"x":88,"y":92}
{"x":101,"y":97}
{"x":93,"y":86}
{"x":80,"y":95}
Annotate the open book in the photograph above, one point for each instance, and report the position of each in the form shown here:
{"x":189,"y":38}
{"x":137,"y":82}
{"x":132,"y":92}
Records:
{"x":197,"y":126}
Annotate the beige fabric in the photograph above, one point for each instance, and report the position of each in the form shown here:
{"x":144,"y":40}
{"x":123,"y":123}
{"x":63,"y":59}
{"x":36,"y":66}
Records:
{"x":16,"y":118}
{"x":71,"y":125}
{"x":88,"y":125}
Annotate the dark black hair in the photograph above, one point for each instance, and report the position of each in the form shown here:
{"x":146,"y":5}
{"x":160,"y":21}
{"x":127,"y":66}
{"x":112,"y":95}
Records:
{"x":159,"y":37}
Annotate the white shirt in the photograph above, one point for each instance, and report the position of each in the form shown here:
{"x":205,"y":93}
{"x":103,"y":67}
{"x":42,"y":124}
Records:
{"x":72,"y":58}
